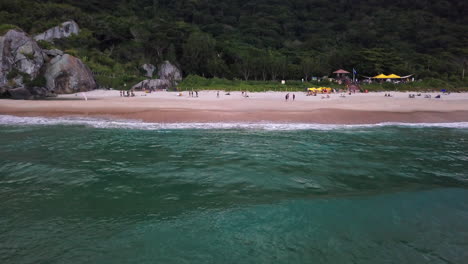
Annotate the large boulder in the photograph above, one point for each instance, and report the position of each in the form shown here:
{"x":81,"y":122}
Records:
{"x":149,"y":69}
{"x":68,"y":74}
{"x":168,"y":71}
{"x":155,"y":84}
{"x":20,"y":93}
{"x":65,"y":30}
{"x":3,"y":91}
{"x":41,"y":92}
{"x":19,"y":52}
{"x":25,"y":93}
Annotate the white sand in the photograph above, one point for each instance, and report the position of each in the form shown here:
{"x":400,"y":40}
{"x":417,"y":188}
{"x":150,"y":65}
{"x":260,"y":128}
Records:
{"x":399,"y":101}
{"x":359,"y":108}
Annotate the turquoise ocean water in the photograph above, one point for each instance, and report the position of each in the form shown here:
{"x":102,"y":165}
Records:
{"x":97,"y":191}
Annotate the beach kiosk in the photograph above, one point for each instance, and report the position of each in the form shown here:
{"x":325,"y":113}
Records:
{"x":341,"y":76}
{"x":340,"y":73}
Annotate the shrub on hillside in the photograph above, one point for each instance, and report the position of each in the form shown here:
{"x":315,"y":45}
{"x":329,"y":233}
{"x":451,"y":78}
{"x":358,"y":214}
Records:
{"x":5,"y":27}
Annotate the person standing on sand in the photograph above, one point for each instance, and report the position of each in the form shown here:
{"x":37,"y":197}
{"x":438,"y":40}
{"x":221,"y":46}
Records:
{"x":294,"y":97}
{"x":196,"y":92}
{"x":217,"y":94}
{"x":287,"y":97}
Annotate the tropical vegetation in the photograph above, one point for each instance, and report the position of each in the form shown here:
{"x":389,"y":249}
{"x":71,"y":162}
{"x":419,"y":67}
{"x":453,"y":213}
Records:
{"x":260,"y":40}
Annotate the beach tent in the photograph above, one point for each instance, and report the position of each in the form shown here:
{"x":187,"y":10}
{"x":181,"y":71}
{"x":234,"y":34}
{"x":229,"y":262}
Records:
{"x":380,"y":76}
{"x":407,"y":76}
{"x":393,"y":76}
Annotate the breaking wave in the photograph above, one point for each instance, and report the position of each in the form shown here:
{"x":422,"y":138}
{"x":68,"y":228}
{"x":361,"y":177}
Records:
{"x":8,"y":120}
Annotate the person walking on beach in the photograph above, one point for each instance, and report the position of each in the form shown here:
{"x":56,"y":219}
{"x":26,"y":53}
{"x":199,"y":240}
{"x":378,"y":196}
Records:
{"x":287,"y":97}
{"x":120,"y":93}
{"x":294,"y":97}
{"x":217,"y":94}
{"x":196,"y":93}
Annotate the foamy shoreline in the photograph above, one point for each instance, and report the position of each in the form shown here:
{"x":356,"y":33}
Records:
{"x":7,"y":120}
{"x":268,"y":107}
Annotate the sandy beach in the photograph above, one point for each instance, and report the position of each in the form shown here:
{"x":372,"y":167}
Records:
{"x":168,"y":107}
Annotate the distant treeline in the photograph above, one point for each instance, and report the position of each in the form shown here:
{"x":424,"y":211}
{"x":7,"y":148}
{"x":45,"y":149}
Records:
{"x":259,"y":39}
{"x":193,"y":82}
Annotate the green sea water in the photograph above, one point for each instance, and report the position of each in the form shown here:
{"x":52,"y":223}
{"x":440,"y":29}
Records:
{"x":84,"y":194}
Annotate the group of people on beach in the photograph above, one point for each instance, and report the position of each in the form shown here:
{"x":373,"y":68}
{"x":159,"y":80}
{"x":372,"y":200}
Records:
{"x":287,"y":97}
{"x":193,"y":93}
{"x":127,"y":93}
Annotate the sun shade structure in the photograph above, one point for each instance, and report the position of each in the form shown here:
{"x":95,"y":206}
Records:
{"x":393,"y":76}
{"x":341,"y":71}
{"x":381,"y":76}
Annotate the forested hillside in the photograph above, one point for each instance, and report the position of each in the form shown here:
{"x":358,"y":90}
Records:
{"x":259,"y":39}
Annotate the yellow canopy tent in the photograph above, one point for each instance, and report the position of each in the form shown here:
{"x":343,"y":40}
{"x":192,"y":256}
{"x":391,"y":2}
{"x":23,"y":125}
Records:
{"x":380,"y":76}
{"x":393,"y":76}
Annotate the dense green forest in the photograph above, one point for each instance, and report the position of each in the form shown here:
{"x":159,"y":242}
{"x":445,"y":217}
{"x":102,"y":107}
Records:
{"x":259,"y":39}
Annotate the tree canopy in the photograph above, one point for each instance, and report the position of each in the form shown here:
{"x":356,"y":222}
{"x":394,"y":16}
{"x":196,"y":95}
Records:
{"x":259,"y":39}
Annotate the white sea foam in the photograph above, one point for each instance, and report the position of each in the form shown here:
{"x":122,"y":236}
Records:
{"x":135,"y":124}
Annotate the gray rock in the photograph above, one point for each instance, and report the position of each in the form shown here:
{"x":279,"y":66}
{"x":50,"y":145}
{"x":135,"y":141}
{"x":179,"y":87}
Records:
{"x":18,"y":81}
{"x":53,"y":52}
{"x":20,"y":93}
{"x":168,"y":71}
{"x":154,"y":84}
{"x":63,"y":31}
{"x":25,"y":93}
{"x":149,"y":68}
{"x":68,"y":74}
{"x":3,"y":91}
{"x":20,"y":52}
{"x":40,"y":92}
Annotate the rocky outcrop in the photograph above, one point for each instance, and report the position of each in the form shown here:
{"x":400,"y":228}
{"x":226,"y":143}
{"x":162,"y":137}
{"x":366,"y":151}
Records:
{"x":22,"y":71}
{"x":149,"y":69}
{"x":63,"y":31}
{"x":168,"y":71}
{"x":155,"y":84}
{"x":168,"y":74}
{"x":53,"y":52}
{"x":68,"y":74}
{"x":25,"y":93}
{"x":20,"y":93}
{"x":3,"y":90}
{"x":19,"y":52}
